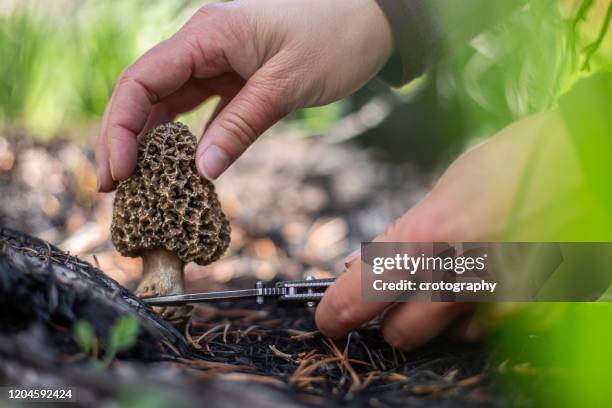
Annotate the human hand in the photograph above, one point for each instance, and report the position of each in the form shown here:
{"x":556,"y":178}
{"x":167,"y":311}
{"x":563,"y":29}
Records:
{"x":264,"y":58}
{"x":475,"y":200}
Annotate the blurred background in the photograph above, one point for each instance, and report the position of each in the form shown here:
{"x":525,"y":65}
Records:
{"x":318,"y":183}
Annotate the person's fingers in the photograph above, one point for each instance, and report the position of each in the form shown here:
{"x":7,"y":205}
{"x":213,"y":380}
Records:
{"x":161,"y":71}
{"x":265,"y":99}
{"x":188,"y":97}
{"x":411,"y":325}
{"x":157,"y":74}
{"x":185,"y":99}
{"x":191,"y":95}
{"x":341,"y":309}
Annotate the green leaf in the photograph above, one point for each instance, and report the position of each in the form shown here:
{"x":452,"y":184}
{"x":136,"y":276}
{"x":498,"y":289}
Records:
{"x":98,"y":365}
{"x":84,"y":335}
{"x":124,"y":334}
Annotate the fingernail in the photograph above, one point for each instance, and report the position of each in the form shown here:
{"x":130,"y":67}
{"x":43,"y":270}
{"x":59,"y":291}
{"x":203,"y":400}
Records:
{"x":351,"y":257}
{"x":112,"y":171}
{"x":213,"y":162}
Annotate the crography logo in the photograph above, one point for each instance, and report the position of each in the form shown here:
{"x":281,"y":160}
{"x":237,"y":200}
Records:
{"x":412,"y":264}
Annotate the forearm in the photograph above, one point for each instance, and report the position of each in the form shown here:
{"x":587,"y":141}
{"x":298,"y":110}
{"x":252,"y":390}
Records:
{"x":423,"y":30}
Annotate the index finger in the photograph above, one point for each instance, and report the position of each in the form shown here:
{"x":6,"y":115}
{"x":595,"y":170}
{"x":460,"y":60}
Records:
{"x":342,"y":308}
{"x":158,"y":73}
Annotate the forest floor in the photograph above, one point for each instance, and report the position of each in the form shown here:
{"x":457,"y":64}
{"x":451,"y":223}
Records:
{"x":297,"y":207}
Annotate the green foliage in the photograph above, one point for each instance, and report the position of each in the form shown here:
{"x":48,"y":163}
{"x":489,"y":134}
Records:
{"x":123,"y":336}
{"x":22,"y":36}
{"x":576,"y":358}
{"x":586,"y":109}
{"x":84,"y":335}
{"x":540,"y":59}
{"x":568,"y":346}
{"x":103,"y":47}
{"x":59,"y":66}
{"x":319,"y":119}
{"x":522,"y":65}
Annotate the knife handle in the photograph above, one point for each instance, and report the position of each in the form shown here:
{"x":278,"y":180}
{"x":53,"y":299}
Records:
{"x":309,"y":291}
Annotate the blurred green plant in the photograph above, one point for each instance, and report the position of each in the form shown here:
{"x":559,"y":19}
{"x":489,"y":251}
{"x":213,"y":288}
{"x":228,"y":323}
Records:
{"x":576,"y":358}
{"x":122,"y":337}
{"x":59,"y":66}
{"x":319,"y":119}
{"x":104,"y":46}
{"x":22,"y":36}
{"x":551,"y":54}
{"x":85,"y":336}
{"x":566,"y":348}
{"x":525,"y":63}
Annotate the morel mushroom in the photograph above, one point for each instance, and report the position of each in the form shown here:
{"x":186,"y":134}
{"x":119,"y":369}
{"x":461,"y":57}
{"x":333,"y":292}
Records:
{"x":167,"y":214}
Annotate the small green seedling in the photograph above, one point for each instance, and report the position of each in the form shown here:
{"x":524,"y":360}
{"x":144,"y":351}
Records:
{"x":123,"y":336}
{"x":85,"y":336}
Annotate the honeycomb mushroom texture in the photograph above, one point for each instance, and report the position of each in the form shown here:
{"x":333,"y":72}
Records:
{"x":166,"y":204}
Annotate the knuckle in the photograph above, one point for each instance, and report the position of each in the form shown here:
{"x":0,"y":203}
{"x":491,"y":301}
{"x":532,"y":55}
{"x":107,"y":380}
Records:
{"x":129,"y":74}
{"x":126,"y":77}
{"x":206,"y":52}
{"x":341,"y":306}
{"x":118,"y":137}
{"x":207,"y":11}
{"x":206,"y":36}
{"x":243,"y":132}
{"x":216,"y":21}
{"x":271,"y":99}
{"x":130,"y":78}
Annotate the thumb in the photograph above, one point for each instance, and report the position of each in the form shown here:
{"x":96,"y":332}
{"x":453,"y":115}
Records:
{"x":263,"y":101}
{"x":342,"y":308}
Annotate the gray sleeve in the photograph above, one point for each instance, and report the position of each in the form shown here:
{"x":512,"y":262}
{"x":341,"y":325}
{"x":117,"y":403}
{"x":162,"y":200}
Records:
{"x":423,"y":30}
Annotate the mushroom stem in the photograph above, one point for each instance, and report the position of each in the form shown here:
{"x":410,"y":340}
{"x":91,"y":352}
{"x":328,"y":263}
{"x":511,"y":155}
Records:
{"x":162,"y":273}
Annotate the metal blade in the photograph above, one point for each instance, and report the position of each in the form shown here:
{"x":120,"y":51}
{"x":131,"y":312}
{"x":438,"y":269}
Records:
{"x":227,"y":295}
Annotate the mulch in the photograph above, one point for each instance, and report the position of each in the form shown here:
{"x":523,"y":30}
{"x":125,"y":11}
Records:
{"x":44,"y":290}
{"x":304,"y":205}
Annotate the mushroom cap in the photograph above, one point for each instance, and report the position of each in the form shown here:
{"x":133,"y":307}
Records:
{"x":166,"y":204}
